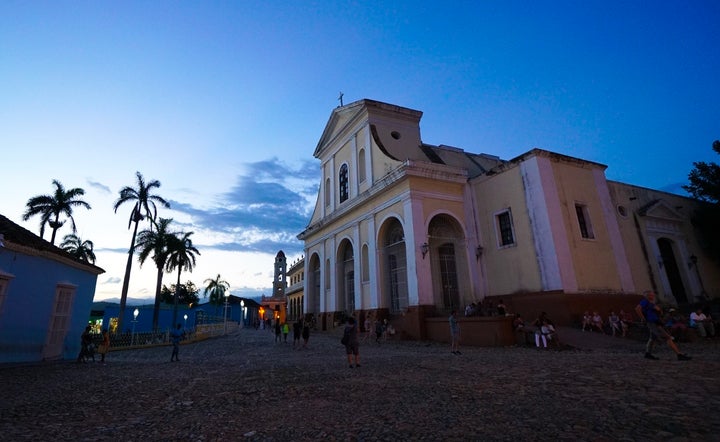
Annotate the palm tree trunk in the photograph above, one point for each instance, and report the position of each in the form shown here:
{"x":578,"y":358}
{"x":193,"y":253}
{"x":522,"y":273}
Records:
{"x":55,"y":227}
{"x":177,"y":289}
{"x":126,"y":280}
{"x":156,"y":309}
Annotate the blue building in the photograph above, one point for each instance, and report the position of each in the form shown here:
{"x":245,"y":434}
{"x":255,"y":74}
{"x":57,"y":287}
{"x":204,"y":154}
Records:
{"x":237,"y":310}
{"x":45,"y":297}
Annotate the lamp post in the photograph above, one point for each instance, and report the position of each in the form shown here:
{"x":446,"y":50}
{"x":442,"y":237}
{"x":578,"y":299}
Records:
{"x":185,"y":318}
{"x":227,"y":298}
{"x":134,"y":321}
{"x":242,"y":313}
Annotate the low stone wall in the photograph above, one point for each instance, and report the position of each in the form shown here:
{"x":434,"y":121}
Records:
{"x":567,"y":308}
{"x":480,"y":331}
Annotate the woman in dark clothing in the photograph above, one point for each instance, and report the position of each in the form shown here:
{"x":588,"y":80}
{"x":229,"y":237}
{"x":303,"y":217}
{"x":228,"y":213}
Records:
{"x":352,"y":347}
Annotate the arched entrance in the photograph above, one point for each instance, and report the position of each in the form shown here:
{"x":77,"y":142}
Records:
{"x":345,"y":293}
{"x":394,"y":265}
{"x":672,"y":271}
{"x":313,"y":285}
{"x":448,"y":263}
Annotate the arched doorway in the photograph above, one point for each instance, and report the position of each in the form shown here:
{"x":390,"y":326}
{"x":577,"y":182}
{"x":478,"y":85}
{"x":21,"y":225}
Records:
{"x":345,"y":293}
{"x":448,"y":262}
{"x":394,"y":265}
{"x":313,"y":295}
{"x":672,"y":271}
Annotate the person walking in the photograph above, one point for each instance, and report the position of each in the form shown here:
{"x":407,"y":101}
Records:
{"x":649,"y":312}
{"x":104,"y":346}
{"x":305,"y":333}
{"x":454,"y":333}
{"x":352,"y":346}
{"x":278,"y":330}
{"x":176,"y":336}
{"x":285,"y":330}
{"x":378,"y":331}
{"x":86,"y":346}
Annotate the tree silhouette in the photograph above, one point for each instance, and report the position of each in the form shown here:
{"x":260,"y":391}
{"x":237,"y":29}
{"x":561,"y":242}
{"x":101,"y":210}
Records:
{"x":705,"y":186}
{"x":78,"y":248}
{"x":144,"y":207}
{"x":50,"y":207}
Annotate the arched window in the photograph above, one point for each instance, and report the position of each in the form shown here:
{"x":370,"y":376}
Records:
{"x":343,"y":182}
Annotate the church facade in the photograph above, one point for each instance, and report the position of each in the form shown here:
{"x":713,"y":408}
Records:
{"x":407,"y":230}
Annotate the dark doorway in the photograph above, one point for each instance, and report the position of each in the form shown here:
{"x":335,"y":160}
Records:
{"x":672,"y":271}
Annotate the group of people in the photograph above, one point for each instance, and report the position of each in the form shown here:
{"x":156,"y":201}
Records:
{"x":616,"y":324}
{"x":486,"y":308}
{"x":88,"y":347}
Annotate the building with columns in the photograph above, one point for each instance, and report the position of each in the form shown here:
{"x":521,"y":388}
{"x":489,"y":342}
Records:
{"x":408,"y":231}
{"x":295,"y":291}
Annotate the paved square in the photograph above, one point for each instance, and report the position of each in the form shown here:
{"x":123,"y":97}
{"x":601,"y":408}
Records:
{"x":245,"y":387}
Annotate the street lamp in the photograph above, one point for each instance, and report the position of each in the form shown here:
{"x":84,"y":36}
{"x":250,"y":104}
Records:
{"x":185,"y":317}
{"x":242,"y":313}
{"x":134,"y":321}
{"x":227,"y":298}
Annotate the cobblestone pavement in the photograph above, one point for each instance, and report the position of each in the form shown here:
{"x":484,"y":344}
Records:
{"x":245,"y":387}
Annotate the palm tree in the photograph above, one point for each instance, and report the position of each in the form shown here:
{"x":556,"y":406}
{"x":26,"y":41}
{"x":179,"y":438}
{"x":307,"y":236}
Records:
{"x":51,"y":206}
{"x":78,"y":248}
{"x":217,"y":288}
{"x":181,"y":257}
{"x":156,"y":242}
{"x":144,"y":207}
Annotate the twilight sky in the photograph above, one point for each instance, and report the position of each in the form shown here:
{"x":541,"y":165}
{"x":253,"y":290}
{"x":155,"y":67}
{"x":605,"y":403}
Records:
{"x":224,"y":103}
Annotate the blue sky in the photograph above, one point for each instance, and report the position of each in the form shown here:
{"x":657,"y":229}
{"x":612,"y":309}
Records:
{"x":224,"y":103}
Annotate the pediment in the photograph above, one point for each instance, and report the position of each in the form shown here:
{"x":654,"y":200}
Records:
{"x":340,"y":119}
{"x":660,"y":209}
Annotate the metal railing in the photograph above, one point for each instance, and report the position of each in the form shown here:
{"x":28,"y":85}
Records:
{"x":122,"y":341}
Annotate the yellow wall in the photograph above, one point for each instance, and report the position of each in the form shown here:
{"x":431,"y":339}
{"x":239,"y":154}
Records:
{"x":594,"y":260}
{"x":509,"y":269}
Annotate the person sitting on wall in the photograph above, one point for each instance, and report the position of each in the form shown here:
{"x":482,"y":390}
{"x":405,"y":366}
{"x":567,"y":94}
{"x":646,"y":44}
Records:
{"x":501,"y":308}
{"x":625,"y":320}
{"x":614,"y":323}
{"x":521,"y":331}
{"x":675,"y":323}
{"x":586,"y":321}
{"x":597,"y":322}
{"x":545,"y":331}
{"x":702,"y":323}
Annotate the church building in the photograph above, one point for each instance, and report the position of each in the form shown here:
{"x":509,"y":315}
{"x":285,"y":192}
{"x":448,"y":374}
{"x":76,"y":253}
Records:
{"x":407,"y":231}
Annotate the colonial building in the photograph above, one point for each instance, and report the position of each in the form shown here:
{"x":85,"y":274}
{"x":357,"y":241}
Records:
{"x":275,"y":305}
{"x":45,"y":297}
{"x":409,"y":231}
{"x":295,"y":291}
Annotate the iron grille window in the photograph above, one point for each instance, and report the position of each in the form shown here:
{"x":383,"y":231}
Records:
{"x":584,"y":221}
{"x":506,"y":231}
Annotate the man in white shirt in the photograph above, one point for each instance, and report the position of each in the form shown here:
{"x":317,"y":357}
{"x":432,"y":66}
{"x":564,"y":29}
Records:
{"x":703,"y":324}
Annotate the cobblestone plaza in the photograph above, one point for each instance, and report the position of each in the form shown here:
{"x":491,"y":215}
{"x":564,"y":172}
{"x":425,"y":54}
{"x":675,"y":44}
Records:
{"x":246,"y":387}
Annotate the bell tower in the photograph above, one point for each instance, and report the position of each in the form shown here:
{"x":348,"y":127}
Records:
{"x":280,"y":278}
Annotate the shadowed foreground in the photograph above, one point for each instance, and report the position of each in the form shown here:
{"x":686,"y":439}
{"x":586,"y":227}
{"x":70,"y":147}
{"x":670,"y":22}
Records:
{"x":245,"y":387}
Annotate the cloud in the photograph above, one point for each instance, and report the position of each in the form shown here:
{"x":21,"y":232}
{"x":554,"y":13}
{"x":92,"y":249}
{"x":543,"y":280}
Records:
{"x":101,"y":187}
{"x":265,"y":210}
{"x":112,"y":280}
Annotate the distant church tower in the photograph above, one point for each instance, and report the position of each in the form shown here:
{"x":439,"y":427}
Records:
{"x":280,"y":279}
